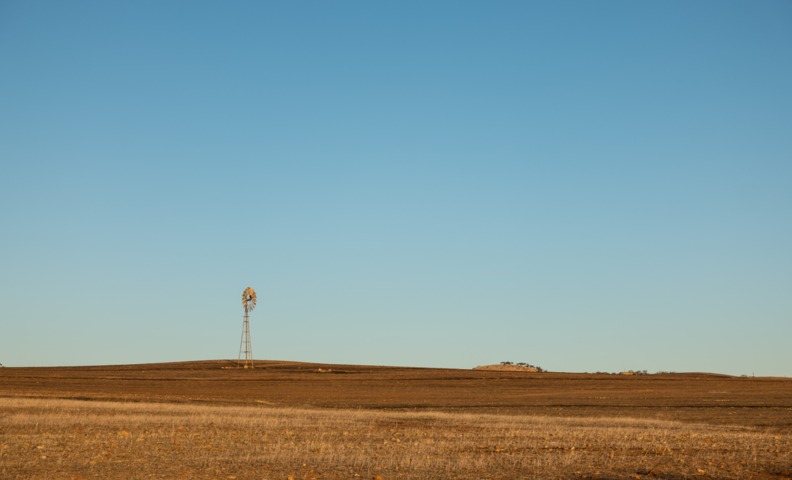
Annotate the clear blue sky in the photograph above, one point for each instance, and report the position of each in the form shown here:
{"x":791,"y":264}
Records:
{"x":579,"y":185}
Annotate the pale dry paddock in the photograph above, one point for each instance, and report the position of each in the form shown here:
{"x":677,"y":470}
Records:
{"x":72,"y":439}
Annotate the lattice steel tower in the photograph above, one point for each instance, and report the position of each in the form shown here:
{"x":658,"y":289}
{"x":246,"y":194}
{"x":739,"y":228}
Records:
{"x":245,"y":349}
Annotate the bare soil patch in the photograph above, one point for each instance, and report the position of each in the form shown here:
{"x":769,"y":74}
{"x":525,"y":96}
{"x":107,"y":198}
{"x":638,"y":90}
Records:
{"x":697,"y":398}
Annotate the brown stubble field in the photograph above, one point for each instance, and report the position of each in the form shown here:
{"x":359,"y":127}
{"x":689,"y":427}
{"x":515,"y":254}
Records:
{"x":286,"y":420}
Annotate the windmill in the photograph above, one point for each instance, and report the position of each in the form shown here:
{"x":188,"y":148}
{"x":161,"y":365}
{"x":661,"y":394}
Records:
{"x":248,"y":303}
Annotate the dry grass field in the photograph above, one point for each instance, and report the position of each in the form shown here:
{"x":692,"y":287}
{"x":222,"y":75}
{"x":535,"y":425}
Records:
{"x":301,"y":421}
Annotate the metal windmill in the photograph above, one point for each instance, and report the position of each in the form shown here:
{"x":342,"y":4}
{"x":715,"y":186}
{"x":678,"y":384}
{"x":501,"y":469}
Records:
{"x":245,"y":349}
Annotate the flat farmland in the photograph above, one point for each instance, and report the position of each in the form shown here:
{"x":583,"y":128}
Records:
{"x":300,"y":420}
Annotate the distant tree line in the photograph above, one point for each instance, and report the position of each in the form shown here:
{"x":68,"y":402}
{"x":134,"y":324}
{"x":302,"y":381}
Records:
{"x":628,"y":372}
{"x":523,"y":364}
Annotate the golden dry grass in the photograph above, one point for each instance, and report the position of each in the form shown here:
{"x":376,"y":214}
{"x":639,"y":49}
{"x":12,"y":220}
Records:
{"x":72,"y":439}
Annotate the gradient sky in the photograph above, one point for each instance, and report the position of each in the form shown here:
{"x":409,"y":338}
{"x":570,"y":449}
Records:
{"x":584,"y":186}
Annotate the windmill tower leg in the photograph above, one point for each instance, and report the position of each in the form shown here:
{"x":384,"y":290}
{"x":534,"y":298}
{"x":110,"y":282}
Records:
{"x":245,"y":347}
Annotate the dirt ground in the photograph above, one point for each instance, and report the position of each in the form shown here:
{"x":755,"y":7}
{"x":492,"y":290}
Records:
{"x":764,"y":403}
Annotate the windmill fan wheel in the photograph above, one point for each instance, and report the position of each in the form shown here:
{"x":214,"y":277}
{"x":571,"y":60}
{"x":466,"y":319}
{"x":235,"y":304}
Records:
{"x":249,"y":299}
